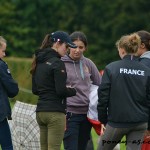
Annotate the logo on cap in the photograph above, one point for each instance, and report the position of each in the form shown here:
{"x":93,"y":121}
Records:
{"x":63,"y":37}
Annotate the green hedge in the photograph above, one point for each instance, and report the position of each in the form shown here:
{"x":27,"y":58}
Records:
{"x":20,"y":70}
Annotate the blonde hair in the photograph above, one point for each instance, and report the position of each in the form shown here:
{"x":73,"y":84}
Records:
{"x":2,"y":40}
{"x":130,"y":43}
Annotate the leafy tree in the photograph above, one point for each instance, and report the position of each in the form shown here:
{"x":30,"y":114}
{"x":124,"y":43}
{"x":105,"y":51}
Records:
{"x":24,"y":23}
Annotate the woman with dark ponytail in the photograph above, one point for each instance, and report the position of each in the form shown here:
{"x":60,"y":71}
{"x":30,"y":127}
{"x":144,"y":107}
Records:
{"x":49,"y":84}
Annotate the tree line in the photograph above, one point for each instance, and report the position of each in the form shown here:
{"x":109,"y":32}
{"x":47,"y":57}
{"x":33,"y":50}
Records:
{"x":24,"y":24}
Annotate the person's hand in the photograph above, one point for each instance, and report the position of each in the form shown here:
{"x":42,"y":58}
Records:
{"x":102,"y":129}
{"x":147,"y":134}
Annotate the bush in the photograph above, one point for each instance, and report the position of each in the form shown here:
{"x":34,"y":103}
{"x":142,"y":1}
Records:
{"x":20,"y":70}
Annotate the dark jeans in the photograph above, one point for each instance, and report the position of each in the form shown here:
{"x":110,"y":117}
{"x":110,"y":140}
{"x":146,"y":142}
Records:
{"x":77,"y":133}
{"x":5,"y":136}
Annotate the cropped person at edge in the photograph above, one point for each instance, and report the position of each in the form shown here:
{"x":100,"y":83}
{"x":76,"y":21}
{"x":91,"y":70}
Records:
{"x":144,"y":53}
{"x":8,"y":88}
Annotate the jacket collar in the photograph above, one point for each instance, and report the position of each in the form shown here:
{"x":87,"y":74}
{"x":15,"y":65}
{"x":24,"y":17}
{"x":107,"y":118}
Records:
{"x":131,"y":57}
{"x":44,"y":54}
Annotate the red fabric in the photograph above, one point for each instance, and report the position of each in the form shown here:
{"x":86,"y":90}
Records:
{"x":146,"y":144}
{"x":101,"y":72}
{"x":96,"y":125}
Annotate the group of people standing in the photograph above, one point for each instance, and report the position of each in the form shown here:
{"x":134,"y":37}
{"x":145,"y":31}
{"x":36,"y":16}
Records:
{"x":62,"y":77}
{"x":124,"y":94}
